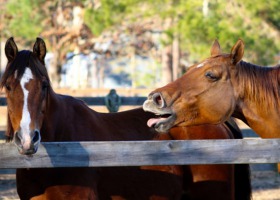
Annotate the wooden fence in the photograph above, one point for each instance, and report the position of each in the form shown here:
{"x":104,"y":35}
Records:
{"x":137,"y":153}
{"x":99,"y":101}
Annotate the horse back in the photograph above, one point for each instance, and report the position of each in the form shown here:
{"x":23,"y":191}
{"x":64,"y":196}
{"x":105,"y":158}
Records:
{"x":73,"y":120}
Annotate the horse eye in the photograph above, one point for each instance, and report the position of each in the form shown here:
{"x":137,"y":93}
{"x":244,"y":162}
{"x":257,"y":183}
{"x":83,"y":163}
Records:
{"x":211,"y":76}
{"x":45,"y":85}
{"x":8,"y":87}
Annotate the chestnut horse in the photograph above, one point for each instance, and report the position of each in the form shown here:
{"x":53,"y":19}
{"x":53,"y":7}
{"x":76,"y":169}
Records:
{"x":36,"y":113}
{"x":219,"y":87}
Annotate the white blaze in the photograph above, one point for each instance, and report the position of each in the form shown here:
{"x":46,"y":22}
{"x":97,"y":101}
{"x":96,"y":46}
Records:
{"x":200,"y":65}
{"x":25,"y":119}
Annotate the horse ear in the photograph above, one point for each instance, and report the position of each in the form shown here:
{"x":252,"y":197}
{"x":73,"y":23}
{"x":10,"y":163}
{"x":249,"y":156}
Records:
{"x":10,"y":131}
{"x":11,"y":49}
{"x":237,"y":51}
{"x":216,"y":48}
{"x":39,"y":49}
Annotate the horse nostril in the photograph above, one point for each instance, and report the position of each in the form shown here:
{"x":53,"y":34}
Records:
{"x":158,"y":100}
{"x":17,"y":138}
{"x":36,"y":138}
{"x":18,"y":135}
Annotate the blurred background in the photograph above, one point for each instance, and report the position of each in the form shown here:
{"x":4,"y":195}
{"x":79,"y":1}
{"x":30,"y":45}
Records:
{"x":137,"y":44}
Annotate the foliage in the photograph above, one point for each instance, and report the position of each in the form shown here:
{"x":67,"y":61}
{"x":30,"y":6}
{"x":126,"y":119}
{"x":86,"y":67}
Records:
{"x":24,"y":21}
{"x":110,"y":12}
{"x":226,"y":21}
{"x":197,"y":22}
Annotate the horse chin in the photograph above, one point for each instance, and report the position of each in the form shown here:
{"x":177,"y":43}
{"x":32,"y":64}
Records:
{"x":163,"y":126}
{"x":27,"y":152}
{"x":30,"y":151}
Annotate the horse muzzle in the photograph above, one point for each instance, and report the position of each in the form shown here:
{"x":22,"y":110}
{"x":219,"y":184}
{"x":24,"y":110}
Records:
{"x":166,"y":118}
{"x":27,"y":144}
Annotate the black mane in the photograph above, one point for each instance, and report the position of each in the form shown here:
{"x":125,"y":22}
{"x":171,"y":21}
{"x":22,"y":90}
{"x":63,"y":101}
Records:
{"x":24,"y":59}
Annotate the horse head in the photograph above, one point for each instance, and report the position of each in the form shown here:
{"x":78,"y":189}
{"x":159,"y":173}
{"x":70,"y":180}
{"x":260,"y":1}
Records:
{"x":26,"y":84}
{"x":203,"y":95}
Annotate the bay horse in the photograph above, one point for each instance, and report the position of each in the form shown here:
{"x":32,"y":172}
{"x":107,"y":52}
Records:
{"x":36,"y":113}
{"x":221,"y":86}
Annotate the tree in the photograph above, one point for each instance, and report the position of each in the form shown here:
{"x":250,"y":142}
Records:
{"x":21,"y":19}
{"x":187,"y":28}
{"x":59,"y":22}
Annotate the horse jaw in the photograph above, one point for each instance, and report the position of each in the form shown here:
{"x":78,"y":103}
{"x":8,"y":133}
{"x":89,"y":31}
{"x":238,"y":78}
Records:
{"x":165,"y":119}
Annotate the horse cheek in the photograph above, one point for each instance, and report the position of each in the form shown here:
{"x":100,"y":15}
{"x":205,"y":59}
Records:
{"x":225,"y":108}
{"x":215,"y":106}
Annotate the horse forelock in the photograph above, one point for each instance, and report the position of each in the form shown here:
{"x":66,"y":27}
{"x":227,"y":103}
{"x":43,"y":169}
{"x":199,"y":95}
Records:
{"x":16,"y":68}
{"x":259,"y":84}
{"x":38,"y":68}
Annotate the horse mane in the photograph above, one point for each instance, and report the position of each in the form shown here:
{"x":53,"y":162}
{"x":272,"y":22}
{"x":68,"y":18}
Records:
{"x":23,"y":59}
{"x":259,"y":84}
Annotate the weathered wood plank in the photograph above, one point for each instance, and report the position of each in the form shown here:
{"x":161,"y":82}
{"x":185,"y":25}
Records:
{"x":100,"y":101}
{"x":135,"y":153}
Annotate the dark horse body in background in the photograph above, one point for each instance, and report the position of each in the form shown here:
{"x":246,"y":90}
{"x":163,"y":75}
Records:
{"x":36,"y":113}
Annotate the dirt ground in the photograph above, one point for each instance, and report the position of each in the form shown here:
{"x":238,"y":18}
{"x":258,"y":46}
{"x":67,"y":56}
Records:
{"x":8,"y":187}
{"x":266,"y":186}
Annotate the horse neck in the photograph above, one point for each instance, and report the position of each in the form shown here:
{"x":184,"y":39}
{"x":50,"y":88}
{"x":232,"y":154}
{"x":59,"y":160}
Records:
{"x":126,"y":125}
{"x":69,"y":119}
{"x":50,"y":123}
{"x":259,"y":98}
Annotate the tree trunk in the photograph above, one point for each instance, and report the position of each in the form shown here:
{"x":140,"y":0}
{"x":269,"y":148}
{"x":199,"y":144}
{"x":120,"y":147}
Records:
{"x":166,"y":65}
{"x":176,"y":57}
{"x":166,"y":58}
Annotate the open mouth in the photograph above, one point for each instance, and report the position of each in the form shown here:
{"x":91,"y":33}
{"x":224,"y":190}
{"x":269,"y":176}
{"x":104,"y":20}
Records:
{"x":162,"y":119}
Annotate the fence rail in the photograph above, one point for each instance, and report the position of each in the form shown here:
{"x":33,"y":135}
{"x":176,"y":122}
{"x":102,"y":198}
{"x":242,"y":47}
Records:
{"x":99,"y":101}
{"x":137,"y":153}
